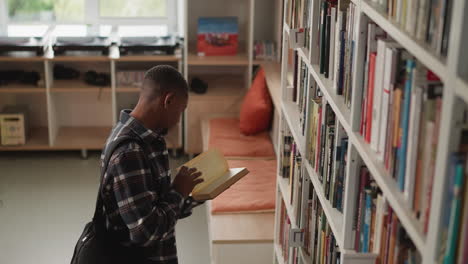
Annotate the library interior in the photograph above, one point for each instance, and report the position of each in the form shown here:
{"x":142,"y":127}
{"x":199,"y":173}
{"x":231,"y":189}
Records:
{"x":234,"y":131}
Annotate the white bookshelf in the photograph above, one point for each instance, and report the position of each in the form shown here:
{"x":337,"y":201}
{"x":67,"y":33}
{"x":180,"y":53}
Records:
{"x":455,"y":93}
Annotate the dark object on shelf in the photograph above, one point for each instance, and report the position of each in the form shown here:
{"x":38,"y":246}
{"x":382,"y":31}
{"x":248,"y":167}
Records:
{"x":64,"y":73}
{"x":98,"y":79}
{"x":33,"y":44}
{"x":198,"y":86}
{"x":86,"y":43}
{"x":25,"y":77}
{"x":163,"y":45}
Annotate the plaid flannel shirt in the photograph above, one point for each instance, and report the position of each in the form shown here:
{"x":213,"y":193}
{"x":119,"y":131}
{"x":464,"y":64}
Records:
{"x":141,"y":206}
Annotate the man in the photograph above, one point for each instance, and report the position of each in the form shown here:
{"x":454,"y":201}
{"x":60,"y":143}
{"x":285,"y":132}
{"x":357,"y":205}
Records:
{"x":142,"y":206}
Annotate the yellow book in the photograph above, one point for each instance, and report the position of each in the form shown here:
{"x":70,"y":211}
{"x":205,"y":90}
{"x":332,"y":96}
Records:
{"x":216,"y":174}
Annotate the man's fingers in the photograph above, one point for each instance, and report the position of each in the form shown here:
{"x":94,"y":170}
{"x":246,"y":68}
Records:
{"x":191,"y":170}
{"x":183,"y":170}
{"x":196,"y":175}
{"x":197,"y":181}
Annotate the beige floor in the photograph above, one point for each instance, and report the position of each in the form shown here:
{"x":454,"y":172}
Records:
{"x":46,"y":198}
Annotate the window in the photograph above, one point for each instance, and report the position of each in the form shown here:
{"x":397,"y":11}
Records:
{"x":46,"y":10}
{"x":134,"y":8}
{"x":133,"y":17}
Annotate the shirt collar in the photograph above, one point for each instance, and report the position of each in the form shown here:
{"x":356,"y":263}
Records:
{"x":146,"y":134}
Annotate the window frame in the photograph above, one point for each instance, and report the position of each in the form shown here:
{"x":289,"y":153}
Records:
{"x":93,"y":18}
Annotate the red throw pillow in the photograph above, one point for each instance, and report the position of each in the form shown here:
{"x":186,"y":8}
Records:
{"x":256,"y":110}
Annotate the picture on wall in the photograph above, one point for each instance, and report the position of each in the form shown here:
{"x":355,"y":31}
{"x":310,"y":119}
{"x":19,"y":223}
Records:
{"x":217,"y":36}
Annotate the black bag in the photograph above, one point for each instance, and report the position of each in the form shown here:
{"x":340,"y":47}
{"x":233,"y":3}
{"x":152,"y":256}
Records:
{"x":96,"y":245}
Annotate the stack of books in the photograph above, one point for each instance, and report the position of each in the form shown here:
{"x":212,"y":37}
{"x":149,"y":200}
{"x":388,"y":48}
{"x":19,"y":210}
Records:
{"x":336,"y":44}
{"x":377,"y":228}
{"x":264,"y":50}
{"x":299,"y":20}
{"x":400,"y":117}
{"x":427,"y":21}
{"x":320,"y":243}
{"x":327,"y":148}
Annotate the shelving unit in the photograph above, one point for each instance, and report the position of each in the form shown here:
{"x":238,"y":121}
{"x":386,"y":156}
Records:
{"x":455,"y":90}
{"x":64,"y":127}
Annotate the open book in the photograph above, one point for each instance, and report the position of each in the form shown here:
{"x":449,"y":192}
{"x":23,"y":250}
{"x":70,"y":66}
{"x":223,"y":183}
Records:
{"x":216,"y":174}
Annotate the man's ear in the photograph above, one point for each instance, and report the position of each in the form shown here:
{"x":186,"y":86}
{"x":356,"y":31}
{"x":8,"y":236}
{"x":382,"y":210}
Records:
{"x":169,"y":99}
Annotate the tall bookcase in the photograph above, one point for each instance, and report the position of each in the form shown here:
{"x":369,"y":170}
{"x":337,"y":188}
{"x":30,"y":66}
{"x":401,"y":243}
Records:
{"x":452,"y":71}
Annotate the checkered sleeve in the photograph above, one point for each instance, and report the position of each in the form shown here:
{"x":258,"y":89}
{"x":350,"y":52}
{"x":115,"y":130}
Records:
{"x":148,"y":215}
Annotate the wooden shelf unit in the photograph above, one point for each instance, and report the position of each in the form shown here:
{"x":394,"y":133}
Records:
{"x":72,"y":138}
{"x":236,"y":60}
{"x":455,"y":87}
{"x":64,"y":86}
{"x":36,"y":139}
{"x":21,"y":88}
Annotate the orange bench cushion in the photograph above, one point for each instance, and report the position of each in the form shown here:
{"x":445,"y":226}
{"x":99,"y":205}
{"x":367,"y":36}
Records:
{"x":225,"y":135}
{"x":254,"y":192}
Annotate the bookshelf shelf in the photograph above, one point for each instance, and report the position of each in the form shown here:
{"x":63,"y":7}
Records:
{"x":291,"y":114}
{"x":305,"y":258}
{"x":461,"y":89}
{"x":390,"y":190}
{"x":64,"y":86}
{"x":21,"y":59}
{"x":334,"y":217}
{"x":278,"y":254}
{"x":150,"y":58}
{"x":37,"y":139}
{"x":80,"y":58}
{"x":286,"y":194}
{"x":417,"y":49}
{"x":20,"y":88}
{"x":240,"y":59}
{"x":127,"y":89}
{"x":92,"y":138}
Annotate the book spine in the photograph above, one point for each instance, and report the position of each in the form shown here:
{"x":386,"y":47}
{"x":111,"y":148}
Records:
{"x":388,"y":81}
{"x":415,"y":114}
{"x":404,"y":125}
{"x":332,"y":44}
{"x":367,"y":221}
{"x":454,"y":226}
{"x":370,"y":96}
{"x":376,"y":107}
{"x":326,"y":65}
{"x":323,"y":27}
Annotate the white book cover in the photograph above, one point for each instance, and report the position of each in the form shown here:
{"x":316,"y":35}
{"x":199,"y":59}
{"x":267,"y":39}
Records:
{"x":391,"y":58}
{"x":331,"y":57}
{"x":399,"y":11}
{"x":421,"y":28}
{"x":312,"y":226}
{"x":412,"y":17}
{"x":379,"y":223}
{"x":413,"y":133}
{"x":339,"y":28}
{"x":378,"y":82}
{"x":425,"y":175}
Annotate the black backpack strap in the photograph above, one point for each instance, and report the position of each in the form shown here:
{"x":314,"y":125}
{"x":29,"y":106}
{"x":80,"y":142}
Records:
{"x":99,"y":218}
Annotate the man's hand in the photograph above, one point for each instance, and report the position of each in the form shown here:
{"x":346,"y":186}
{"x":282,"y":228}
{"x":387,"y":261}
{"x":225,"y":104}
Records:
{"x":186,"y":180}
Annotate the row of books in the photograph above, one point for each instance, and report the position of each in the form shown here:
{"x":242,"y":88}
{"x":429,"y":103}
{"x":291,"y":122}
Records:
{"x":428,"y":21}
{"x":264,"y":50}
{"x":327,"y":147}
{"x":299,"y":20}
{"x":292,"y":169}
{"x":400,"y":117}
{"x":314,"y":237}
{"x":336,"y":45}
{"x":377,"y":228}
{"x":454,"y":226}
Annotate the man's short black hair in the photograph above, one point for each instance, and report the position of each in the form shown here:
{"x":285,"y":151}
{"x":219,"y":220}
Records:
{"x":164,"y":78}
